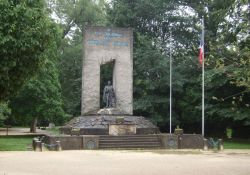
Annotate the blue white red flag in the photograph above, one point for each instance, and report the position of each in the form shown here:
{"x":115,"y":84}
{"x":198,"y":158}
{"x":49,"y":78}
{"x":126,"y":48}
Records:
{"x":201,"y":47}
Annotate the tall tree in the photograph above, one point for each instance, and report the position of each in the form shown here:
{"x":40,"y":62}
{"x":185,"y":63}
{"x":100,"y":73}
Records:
{"x":182,"y":19}
{"x":72,"y":16}
{"x":40,"y":99}
{"x":4,"y":112}
{"x":70,"y":73}
{"x":26,"y":33}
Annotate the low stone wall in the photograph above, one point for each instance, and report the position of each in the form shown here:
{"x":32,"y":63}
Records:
{"x":190,"y":141}
{"x":67,"y":142}
{"x":74,"y":142}
{"x":182,"y":141}
{"x":168,"y":141}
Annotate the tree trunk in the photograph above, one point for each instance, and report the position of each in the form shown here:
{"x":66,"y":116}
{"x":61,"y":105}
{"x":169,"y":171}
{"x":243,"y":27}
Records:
{"x":33,"y":125}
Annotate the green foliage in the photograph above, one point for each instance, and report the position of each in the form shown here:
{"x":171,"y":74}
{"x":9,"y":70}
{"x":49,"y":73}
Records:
{"x":4,"y":112}
{"x":72,"y":16}
{"x":227,"y":75}
{"x":26,"y":33}
{"x":149,"y":80}
{"x":41,"y":97}
{"x":226,"y":54}
{"x":70,"y":74}
{"x":76,"y":14}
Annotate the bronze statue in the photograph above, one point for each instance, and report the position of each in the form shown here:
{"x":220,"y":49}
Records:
{"x":109,"y":95}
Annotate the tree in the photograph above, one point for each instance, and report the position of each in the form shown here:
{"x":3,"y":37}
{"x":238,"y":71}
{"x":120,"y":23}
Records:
{"x":4,"y":112}
{"x":40,"y":99}
{"x":26,"y":33}
{"x":70,"y":74}
{"x":72,"y":16}
{"x":227,"y":59}
{"x":151,"y":57}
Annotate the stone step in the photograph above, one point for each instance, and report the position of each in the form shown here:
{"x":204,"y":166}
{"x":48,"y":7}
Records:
{"x":129,"y":146}
{"x":131,"y":138}
{"x":120,"y":140}
{"x":129,"y":141}
{"x":127,"y":137}
{"x":150,"y":135}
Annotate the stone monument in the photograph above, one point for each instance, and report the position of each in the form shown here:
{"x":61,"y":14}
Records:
{"x":103,"y":45}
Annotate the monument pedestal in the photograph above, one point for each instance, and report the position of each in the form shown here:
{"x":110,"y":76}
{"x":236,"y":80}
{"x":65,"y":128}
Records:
{"x":100,"y":125}
{"x":122,"y":129}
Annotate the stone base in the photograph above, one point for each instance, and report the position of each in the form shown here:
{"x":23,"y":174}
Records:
{"x":99,"y":124}
{"x":165,"y":141}
{"x":110,"y":111}
{"x":121,"y":129}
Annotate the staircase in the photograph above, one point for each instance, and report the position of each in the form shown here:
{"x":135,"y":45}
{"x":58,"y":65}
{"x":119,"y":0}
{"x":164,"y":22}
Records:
{"x":129,"y":141}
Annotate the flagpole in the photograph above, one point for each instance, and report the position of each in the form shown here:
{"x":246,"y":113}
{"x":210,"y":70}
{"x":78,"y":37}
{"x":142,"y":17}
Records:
{"x":170,"y":84}
{"x":203,"y":82}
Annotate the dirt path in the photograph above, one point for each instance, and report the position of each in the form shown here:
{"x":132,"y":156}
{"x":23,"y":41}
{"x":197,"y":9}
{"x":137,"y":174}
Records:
{"x":124,"y":163}
{"x":21,"y":131}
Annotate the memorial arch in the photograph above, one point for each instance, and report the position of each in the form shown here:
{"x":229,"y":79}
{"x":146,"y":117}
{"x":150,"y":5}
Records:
{"x":103,"y":45}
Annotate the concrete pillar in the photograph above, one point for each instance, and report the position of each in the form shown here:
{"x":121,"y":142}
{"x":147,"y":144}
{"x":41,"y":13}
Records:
{"x":205,"y":148}
{"x":38,"y":145}
{"x":43,"y":147}
{"x":58,"y":146}
{"x":220,"y":145}
{"x":34,"y":143}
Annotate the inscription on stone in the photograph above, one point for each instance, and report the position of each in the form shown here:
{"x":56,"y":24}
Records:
{"x":107,"y":38}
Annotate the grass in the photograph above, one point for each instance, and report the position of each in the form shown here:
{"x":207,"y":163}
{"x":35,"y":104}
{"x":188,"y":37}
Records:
{"x":237,"y":144}
{"x":54,"y":131}
{"x":15,"y":143}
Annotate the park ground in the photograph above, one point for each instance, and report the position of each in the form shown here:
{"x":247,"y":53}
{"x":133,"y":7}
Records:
{"x":119,"y":162}
{"x":16,"y":158}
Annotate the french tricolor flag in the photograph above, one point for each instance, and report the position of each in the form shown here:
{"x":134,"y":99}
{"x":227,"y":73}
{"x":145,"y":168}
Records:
{"x":201,"y":47}
{"x":201,"y":51}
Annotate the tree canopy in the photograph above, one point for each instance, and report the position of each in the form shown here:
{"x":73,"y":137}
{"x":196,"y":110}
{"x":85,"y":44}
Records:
{"x":226,"y":54}
{"x":41,"y":56}
{"x":26,"y":33}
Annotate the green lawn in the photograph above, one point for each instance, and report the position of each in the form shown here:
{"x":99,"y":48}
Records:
{"x":54,"y":131}
{"x":15,"y":143}
{"x":237,"y":144}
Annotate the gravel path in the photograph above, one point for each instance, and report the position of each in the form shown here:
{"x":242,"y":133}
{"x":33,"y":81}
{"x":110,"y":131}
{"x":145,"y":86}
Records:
{"x":21,"y":131}
{"x":125,"y":163}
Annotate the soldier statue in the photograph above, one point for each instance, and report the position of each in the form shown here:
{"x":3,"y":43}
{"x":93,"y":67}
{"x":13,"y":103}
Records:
{"x":109,"y":95}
